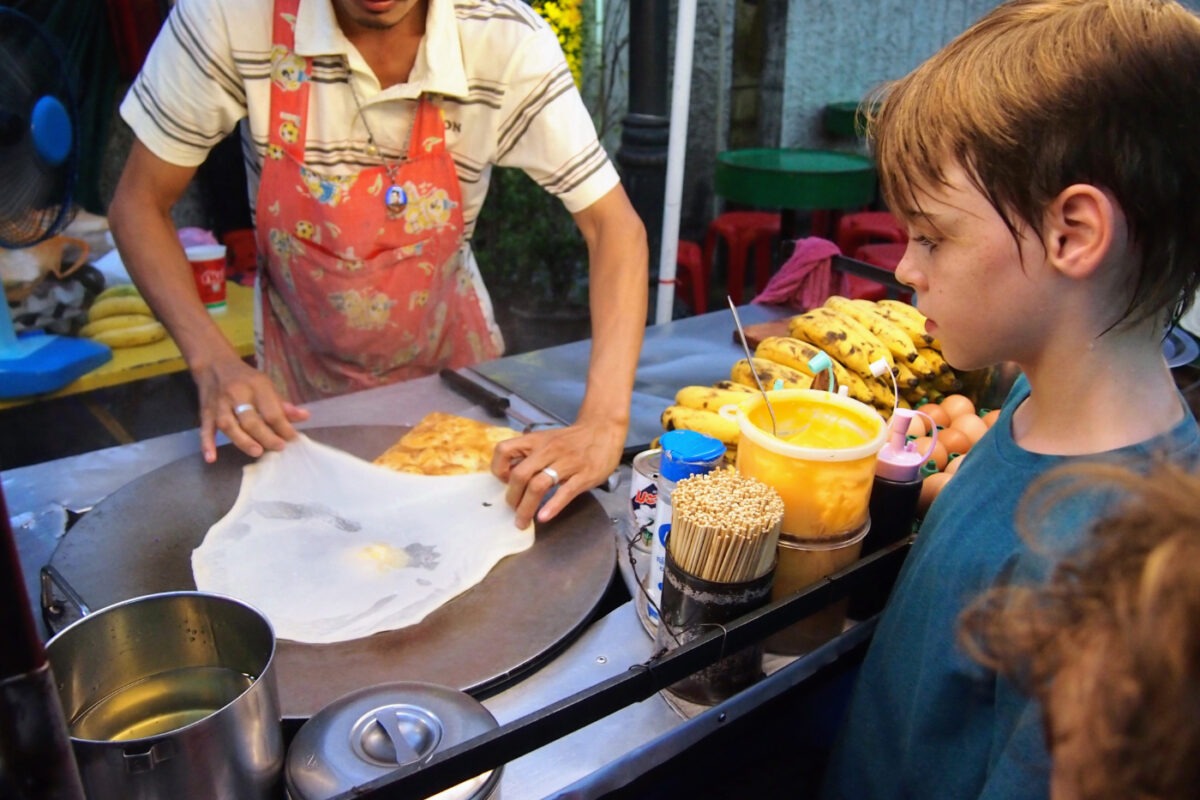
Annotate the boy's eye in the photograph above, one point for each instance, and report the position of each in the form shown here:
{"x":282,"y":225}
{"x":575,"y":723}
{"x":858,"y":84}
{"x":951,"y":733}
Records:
{"x":923,"y":241}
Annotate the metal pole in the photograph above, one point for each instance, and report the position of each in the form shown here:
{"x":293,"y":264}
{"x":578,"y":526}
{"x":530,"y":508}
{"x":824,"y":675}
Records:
{"x":685,"y":30}
{"x":642,"y":154}
{"x":36,"y":760}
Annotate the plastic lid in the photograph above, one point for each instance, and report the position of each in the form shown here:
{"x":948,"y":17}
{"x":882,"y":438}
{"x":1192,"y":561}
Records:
{"x":899,"y":460}
{"x":370,"y":733}
{"x":686,"y":453}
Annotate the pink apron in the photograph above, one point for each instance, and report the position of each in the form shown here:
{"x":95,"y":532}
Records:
{"x":355,"y":293}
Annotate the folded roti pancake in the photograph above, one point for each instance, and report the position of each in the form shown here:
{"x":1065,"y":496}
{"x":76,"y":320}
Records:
{"x":445,"y":444}
{"x":330,"y":547}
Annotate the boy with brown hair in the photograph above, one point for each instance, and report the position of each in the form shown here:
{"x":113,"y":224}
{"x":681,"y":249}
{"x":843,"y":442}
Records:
{"x":1046,"y":165}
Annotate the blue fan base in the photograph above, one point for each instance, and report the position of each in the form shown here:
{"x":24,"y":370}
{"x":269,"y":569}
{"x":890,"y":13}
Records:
{"x":39,"y":362}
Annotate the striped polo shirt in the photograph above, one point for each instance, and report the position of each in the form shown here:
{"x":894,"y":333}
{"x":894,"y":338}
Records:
{"x":494,"y":66}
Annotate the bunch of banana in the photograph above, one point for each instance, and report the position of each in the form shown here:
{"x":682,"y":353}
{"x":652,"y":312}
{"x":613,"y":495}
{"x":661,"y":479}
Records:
{"x":852,"y":348}
{"x":771,"y":375}
{"x":119,"y":317}
{"x":937,"y":378}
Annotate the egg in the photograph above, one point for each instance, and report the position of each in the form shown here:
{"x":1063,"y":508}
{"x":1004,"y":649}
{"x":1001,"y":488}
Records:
{"x":990,"y":417}
{"x":938,"y":455}
{"x":953,"y":464}
{"x":955,"y":440}
{"x":974,"y":427}
{"x":936,"y":413}
{"x":956,"y":405}
{"x":930,"y":487}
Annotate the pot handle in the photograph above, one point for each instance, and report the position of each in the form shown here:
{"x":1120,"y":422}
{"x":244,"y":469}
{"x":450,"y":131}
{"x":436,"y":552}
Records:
{"x":61,"y":604}
{"x":148,"y":757}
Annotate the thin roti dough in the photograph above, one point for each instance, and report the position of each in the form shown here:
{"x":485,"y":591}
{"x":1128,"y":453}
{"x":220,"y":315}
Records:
{"x":445,"y":444}
{"x":331,"y":548}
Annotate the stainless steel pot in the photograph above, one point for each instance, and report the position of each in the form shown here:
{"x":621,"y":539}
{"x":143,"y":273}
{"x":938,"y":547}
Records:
{"x":368,"y":734}
{"x":172,"y":695}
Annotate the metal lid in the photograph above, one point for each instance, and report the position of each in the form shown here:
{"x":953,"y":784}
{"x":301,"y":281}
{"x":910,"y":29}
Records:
{"x":370,"y":733}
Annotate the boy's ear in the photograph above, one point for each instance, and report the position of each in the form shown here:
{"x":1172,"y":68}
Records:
{"x":1081,"y":226}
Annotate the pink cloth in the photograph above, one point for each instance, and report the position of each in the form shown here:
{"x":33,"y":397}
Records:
{"x":807,"y":278}
{"x":191,"y":237}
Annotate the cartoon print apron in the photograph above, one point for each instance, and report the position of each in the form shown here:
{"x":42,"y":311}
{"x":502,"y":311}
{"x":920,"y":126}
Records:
{"x":355,"y":292}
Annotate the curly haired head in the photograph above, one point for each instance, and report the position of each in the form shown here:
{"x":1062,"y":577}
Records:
{"x":1110,"y":646}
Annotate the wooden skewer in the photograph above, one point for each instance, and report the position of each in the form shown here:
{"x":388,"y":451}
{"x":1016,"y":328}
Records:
{"x":725,"y":527}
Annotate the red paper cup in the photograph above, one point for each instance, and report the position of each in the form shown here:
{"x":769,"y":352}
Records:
{"x":208,"y":267}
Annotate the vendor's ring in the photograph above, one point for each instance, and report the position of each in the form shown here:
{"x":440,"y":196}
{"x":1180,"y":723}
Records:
{"x":553,"y":475}
{"x":243,"y":408}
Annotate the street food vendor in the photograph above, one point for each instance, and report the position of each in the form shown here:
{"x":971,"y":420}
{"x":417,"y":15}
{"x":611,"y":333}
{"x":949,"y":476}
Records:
{"x":369,"y":129}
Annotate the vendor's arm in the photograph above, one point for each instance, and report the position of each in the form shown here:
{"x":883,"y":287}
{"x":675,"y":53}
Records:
{"x":140,"y":217}
{"x":585,"y":454}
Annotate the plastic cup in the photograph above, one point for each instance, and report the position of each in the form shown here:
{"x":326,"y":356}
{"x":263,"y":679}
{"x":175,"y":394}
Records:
{"x":208,"y":267}
{"x":800,"y":565}
{"x":821,"y":460}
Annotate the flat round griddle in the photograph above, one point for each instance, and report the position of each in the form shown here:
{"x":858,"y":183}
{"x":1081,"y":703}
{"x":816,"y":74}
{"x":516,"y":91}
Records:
{"x":139,"y":541}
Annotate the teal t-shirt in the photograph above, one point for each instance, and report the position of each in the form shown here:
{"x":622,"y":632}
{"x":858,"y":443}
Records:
{"x":924,"y":720}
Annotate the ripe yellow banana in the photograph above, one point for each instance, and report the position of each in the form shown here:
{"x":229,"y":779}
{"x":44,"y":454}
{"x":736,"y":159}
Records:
{"x":769,"y":372}
{"x":734,"y":386}
{"x":935,"y":359}
{"x":883,"y":397}
{"x":710,"y":398}
{"x":905,"y":377}
{"x":710,"y":423}
{"x":893,"y":337}
{"x":148,"y":333}
{"x":842,"y":337}
{"x":797,"y":353}
{"x":120,"y":290}
{"x":947,"y":382}
{"x":114,"y":322}
{"x":911,"y":320}
{"x":121,"y":304}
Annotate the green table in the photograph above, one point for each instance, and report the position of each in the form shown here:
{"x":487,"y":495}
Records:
{"x":794,"y":180}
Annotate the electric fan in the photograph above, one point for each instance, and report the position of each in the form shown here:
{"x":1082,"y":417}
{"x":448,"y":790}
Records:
{"x":38,"y":155}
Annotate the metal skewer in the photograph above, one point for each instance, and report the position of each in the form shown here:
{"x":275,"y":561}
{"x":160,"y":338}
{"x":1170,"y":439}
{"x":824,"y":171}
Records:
{"x":750,"y":361}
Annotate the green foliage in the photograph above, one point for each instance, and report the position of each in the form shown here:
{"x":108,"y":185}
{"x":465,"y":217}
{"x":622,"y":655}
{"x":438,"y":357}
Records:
{"x":529,"y":249}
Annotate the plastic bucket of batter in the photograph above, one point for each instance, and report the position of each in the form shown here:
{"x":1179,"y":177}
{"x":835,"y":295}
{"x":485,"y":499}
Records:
{"x":820,"y":457}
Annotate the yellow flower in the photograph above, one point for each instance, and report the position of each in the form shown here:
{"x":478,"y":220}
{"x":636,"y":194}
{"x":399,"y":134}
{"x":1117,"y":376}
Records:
{"x":565,"y":18}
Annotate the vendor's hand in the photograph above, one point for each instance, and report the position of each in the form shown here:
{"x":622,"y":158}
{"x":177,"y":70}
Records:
{"x":241,"y":402}
{"x":581,"y":456}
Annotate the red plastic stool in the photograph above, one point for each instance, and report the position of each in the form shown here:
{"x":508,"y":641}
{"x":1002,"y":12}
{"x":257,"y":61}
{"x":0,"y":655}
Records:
{"x":886,"y":255}
{"x":691,"y":278}
{"x":868,"y":227}
{"x":741,"y":231}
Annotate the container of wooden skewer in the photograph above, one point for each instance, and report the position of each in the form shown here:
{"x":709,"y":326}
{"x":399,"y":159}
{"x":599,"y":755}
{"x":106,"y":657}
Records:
{"x":720,"y":565}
